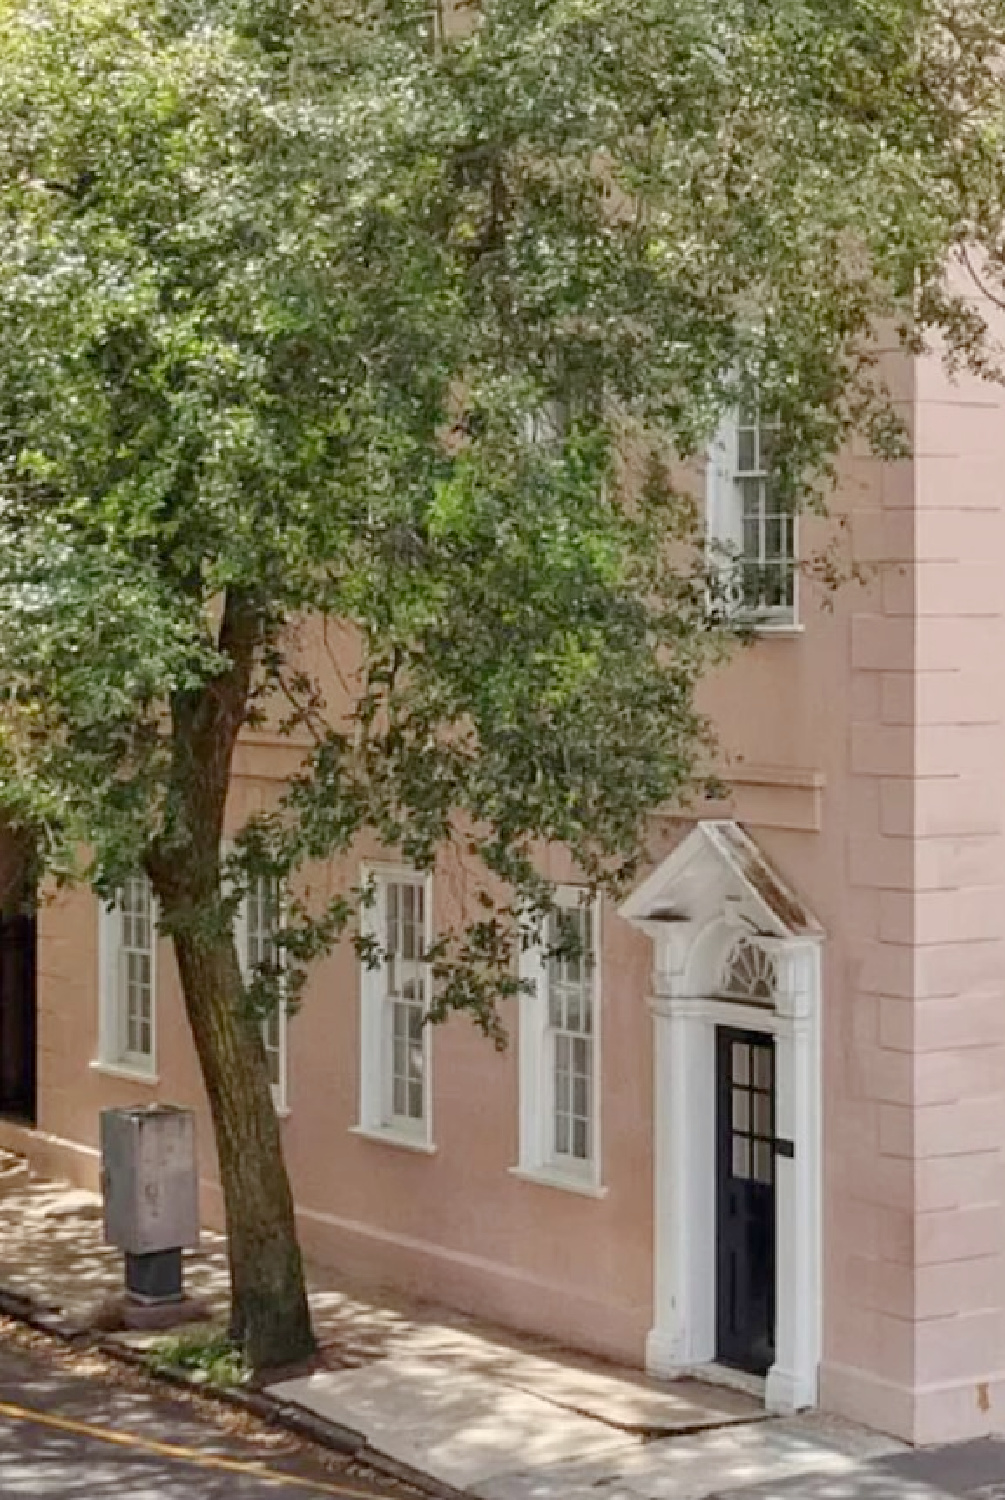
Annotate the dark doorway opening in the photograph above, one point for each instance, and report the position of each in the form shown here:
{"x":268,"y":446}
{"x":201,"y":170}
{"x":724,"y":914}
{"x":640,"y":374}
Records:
{"x":18,"y":1016}
{"x":745,"y":1199}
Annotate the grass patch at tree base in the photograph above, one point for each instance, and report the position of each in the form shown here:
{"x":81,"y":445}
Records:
{"x":207,"y":1356}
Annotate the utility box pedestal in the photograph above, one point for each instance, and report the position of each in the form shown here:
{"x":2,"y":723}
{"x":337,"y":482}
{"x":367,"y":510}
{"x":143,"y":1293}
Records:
{"x":150,"y":1186}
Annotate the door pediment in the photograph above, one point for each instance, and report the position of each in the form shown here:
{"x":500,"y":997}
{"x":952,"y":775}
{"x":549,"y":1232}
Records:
{"x":718,"y":870}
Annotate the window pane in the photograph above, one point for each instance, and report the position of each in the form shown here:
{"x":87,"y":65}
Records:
{"x":752,"y":496}
{"x":762,"y":1114}
{"x":773,"y":585}
{"x":746,"y":455}
{"x":741,"y":1156}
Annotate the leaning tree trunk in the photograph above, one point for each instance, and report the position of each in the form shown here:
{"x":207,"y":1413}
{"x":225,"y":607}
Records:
{"x":270,"y":1315}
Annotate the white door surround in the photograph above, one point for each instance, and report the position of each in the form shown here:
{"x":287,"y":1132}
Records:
{"x":716,"y":891}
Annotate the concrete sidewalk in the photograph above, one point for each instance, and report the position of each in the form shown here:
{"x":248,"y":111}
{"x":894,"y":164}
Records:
{"x":482,"y":1409}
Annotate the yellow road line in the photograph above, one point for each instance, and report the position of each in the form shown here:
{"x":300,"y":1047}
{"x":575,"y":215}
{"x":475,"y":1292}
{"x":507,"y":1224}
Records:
{"x":250,"y":1467}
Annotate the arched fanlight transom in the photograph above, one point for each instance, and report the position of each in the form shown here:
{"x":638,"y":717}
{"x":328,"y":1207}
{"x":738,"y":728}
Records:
{"x":749,"y":972}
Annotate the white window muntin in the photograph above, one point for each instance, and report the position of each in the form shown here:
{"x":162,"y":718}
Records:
{"x":395,"y":1041}
{"x":746,"y":516}
{"x":560,"y":1026}
{"x":128,"y":980}
{"x":258,"y":919}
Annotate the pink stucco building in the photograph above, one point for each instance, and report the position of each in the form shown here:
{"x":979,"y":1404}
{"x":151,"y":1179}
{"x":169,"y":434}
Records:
{"x":765,"y":1128}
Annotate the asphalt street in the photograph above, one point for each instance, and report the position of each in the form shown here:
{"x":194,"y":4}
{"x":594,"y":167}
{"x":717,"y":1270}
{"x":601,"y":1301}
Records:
{"x":69,"y":1435}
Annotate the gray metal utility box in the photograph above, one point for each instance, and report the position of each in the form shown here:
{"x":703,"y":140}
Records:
{"x":149,"y":1178}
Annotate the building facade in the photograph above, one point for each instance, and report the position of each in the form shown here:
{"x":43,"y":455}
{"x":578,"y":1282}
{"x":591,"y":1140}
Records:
{"x":759,"y":1122}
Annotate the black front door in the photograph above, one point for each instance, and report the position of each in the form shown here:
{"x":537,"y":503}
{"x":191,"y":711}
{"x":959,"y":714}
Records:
{"x":17,"y":1017}
{"x":745,"y":1199}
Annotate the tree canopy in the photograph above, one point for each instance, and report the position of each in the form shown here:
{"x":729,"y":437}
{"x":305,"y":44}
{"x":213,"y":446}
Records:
{"x":403,"y":320}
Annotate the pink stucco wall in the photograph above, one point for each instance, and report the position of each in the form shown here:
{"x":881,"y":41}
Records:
{"x":865,"y":753}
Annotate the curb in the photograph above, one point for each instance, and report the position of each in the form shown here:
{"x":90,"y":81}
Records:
{"x":346,"y":1441}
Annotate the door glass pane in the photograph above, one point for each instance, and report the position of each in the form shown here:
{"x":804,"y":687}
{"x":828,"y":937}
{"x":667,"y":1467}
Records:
{"x":741,"y":1062}
{"x":762,"y":1114}
{"x":741,"y":1156}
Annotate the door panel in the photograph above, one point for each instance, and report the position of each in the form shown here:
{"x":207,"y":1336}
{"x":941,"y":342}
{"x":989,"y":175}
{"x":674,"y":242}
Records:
{"x":745,"y":1199}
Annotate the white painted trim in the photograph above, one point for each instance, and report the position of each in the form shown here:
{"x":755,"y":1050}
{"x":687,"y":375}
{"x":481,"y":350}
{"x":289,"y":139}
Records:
{"x":684,"y":1336}
{"x":537,"y":1162}
{"x":374,"y":1050}
{"x":563,"y":1181}
{"x":705,"y":895}
{"x":112,"y":1058}
{"x":386,"y":1135}
{"x":120,"y":1070}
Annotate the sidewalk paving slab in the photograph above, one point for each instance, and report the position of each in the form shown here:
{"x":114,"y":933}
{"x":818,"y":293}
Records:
{"x":720,"y":1460}
{"x":457,"y":1426}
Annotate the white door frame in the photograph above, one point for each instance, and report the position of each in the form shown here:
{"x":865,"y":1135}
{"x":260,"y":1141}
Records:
{"x":683,"y":1336}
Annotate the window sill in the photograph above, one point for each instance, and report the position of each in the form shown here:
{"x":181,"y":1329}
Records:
{"x":761,"y":628}
{"x":545,"y":1177}
{"x":395,"y":1138}
{"x":123,"y":1070}
{"x":768,"y":626}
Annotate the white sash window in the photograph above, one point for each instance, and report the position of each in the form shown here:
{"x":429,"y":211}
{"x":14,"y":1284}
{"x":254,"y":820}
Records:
{"x":395,"y":1041}
{"x":128,"y":965}
{"x":756,"y":530}
{"x":560,"y":1051}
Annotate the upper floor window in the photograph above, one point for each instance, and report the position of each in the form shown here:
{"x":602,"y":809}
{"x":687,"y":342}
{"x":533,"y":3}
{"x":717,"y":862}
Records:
{"x":258,"y":922}
{"x":560,"y":1050}
{"x":127,"y":949}
{"x":396,"y":1049}
{"x":750,"y":520}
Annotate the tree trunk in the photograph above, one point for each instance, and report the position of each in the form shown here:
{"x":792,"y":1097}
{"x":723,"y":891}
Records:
{"x":270,"y":1314}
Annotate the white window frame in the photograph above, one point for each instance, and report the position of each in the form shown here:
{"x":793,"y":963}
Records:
{"x":242,"y":935}
{"x":376,"y":1116}
{"x":114,"y":1054}
{"x":724,"y":525}
{"x":539,"y":1161}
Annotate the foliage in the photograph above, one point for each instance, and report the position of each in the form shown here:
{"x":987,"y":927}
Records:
{"x":347,"y":365}
{"x":205,"y":1356}
{"x":284,"y":293}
